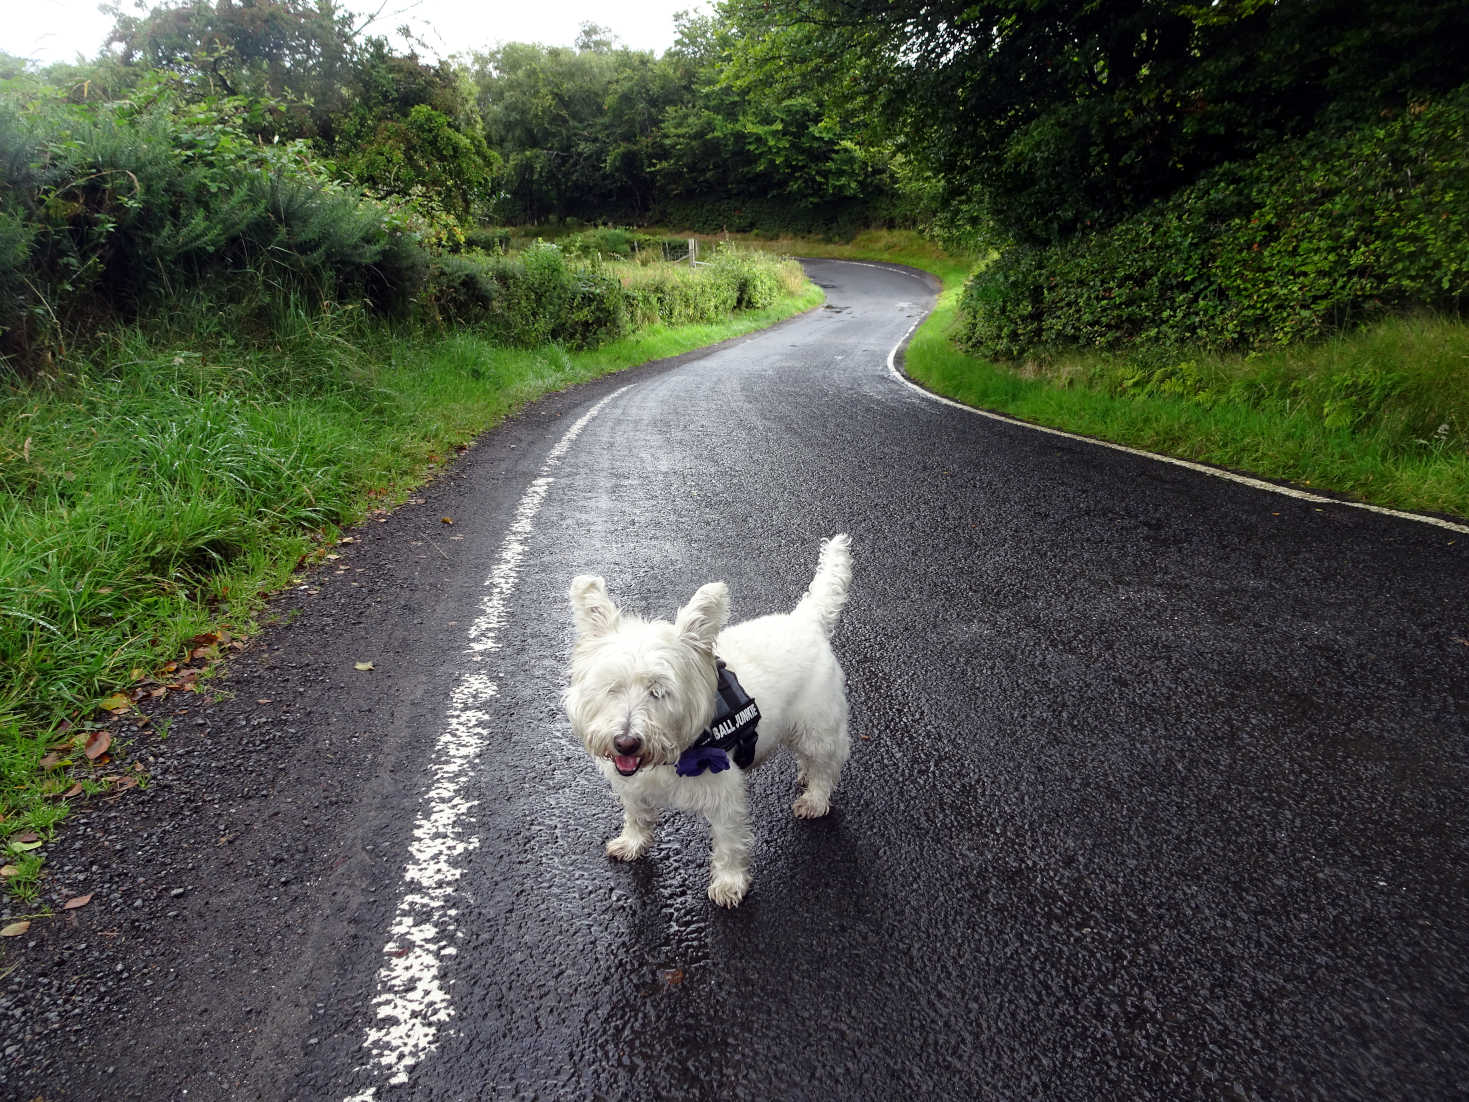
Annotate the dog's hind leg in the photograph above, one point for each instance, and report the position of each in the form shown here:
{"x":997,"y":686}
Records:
{"x":638,"y":821}
{"x":729,"y":824}
{"x":820,"y":756}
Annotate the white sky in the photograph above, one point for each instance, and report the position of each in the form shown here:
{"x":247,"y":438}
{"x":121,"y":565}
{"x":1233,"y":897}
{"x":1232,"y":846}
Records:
{"x":58,"y":30}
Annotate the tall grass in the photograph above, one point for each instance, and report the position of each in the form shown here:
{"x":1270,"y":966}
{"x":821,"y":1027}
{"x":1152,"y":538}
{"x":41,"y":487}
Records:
{"x":151,"y":489}
{"x":1358,"y":414}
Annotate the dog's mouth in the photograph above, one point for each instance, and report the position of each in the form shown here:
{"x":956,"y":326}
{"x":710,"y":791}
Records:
{"x":627,"y":764}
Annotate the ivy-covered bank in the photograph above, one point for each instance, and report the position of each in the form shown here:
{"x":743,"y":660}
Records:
{"x":1311,"y":237}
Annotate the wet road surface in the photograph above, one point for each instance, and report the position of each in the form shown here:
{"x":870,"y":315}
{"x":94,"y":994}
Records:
{"x":1158,"y":787}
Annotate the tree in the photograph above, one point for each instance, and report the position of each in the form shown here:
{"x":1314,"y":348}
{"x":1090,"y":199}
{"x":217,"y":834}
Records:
{"x":414,"y":128}
{"x":1060,"y":114}
{"x":298,"y":52}
{"x":756,"y":139}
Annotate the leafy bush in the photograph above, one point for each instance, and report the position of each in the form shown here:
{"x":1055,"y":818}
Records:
{"x":539,"y":297}
{"x":487,"y":239}
{"x":678,"y":296}
{"x":756,"y":285}
{"x":528,"y":300}
{"x":612,"y":243}
{"x":112,"y":213}
{"x":837,"y":220}
{"x":462,"y":289}
{"x":1307,"y":238}
{"x":597,"y":312}
{"x":108,"y":211}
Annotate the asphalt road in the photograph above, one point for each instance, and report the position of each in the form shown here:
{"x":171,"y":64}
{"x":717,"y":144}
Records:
{"x":1158,"y":787}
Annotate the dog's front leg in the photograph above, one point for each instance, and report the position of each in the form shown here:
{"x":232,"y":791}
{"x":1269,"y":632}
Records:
{"x":729,"y":823}
{"x":638,"y":821}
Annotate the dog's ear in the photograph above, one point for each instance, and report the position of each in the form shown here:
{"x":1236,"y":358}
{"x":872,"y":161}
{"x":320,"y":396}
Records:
{"x":699,"y":621}
{"x":593,"y":610}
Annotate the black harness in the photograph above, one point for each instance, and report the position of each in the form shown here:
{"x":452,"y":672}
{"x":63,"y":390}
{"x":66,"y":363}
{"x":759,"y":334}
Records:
{"x":730,"y":734}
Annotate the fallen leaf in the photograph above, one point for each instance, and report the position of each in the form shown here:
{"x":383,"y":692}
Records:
{"x":7,"y":871}
{"x":363,"y":666}
{"x":15,"y":929}
{"x":97,"y":745}
{"x":674,"y":977}
{"x":28,"y":836}
{"x":72,"y":792}
{"x":117,"y":702}
{"x":208,"y":654}
{"x":78,"y":902}
{"x":24,"y":847}
{"x":50,"y":761}
{"x":447,"y":520}
{"x":263,"y":700}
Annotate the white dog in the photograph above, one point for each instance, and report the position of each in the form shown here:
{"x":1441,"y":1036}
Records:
{"x":642,"y":696}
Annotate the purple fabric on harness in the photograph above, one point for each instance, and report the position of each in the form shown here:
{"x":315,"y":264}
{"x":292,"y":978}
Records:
{"x":693,"y":761}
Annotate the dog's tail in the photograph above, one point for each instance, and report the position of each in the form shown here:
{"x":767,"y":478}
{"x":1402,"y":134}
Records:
{"x":828,"y":591}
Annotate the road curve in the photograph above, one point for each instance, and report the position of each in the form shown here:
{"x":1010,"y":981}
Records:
{"x":1157,"y":789}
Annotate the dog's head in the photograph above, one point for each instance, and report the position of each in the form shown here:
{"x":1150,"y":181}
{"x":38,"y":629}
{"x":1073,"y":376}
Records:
{"x":642,"y":690}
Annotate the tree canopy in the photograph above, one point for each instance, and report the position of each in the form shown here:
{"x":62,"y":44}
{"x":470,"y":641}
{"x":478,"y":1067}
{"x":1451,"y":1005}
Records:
{"x":1055,"y":115}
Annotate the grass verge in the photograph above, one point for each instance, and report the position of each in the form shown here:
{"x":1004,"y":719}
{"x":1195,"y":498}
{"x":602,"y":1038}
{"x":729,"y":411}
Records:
{"x":163,"y":484}
{"x":1379,"y":414}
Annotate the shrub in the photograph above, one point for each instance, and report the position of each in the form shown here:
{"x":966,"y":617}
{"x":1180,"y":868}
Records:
{"x":598,"y":310}
{"x":528,"y":300}
{"x":109,"y":211}
{"x":756,"y":282}
{"x":1307,"y":238}
{"x":836,"y":220}
{"x":487,"y":239}
{"x":462,"y":290}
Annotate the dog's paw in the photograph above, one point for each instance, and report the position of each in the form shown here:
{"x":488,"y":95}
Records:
{"x":626,"y":849}
{"x":728,"y":890}
{"x":811,"y":806}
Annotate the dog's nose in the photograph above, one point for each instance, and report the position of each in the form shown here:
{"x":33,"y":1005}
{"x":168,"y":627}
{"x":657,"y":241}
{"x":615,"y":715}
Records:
{"x":627,"y":744}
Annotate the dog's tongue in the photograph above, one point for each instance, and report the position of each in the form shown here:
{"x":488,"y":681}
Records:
{"x":625,"y":763}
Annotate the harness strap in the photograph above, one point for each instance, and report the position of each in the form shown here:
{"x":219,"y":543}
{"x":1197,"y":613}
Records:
{"x":731,"y":733}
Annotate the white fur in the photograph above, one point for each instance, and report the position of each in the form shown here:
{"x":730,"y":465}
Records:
{"x":652,"y":683}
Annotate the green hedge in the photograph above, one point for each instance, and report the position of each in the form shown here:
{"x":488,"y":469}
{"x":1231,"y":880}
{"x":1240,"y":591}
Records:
{"x":539,"y":296}
{"x":839,"y":220}
{"x":1307,"y":238}
{"x":614,"y":242}
{"x":110,"y":211}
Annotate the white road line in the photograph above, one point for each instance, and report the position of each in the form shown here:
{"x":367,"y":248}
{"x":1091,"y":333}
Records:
{"x":1213,"y":472}
{"x":413,"y":1001}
